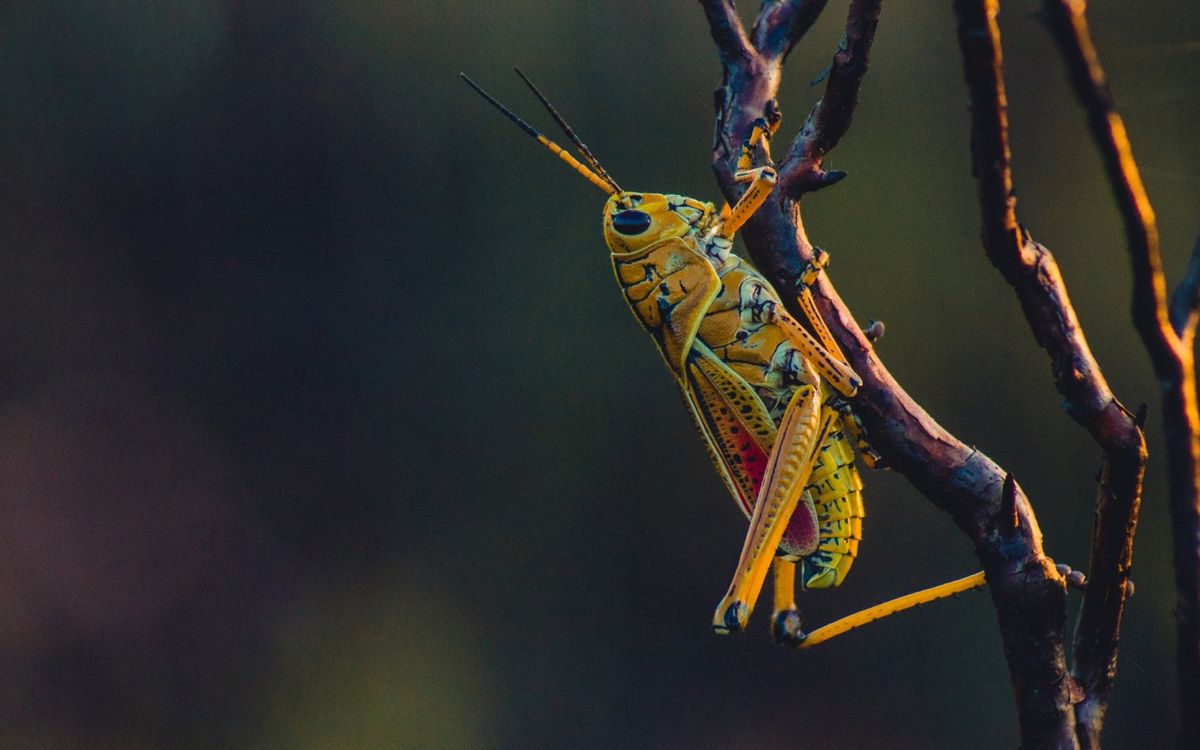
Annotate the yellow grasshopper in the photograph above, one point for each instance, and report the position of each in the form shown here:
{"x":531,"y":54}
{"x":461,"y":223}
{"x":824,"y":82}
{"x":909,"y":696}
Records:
{"x":766,"y":395}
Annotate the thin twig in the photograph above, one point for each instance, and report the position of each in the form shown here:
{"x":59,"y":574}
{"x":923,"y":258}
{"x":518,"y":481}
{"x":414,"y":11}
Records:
{"x":782,"y":23}
{"x":800,"y":172}
{"x":727,"y":30}
{"x":1068,"y":24}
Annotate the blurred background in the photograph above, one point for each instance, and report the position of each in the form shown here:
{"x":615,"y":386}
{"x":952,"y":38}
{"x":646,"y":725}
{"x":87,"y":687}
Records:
{"x":323,"y":425}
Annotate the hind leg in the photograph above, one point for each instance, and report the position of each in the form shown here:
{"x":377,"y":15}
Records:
{"x":802,"y":431}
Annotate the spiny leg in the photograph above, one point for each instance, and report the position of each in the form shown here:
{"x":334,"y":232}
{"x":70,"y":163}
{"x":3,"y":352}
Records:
{"x":760,"y":134}
{"x":1074,"y":578}
{"x":858,"y":432}
{"x":802,"y":430}
{"x":804,"y":295}
{"x":899,"y":604}
{"x":809,"y":306}
{"x":762,"y":182}
{"x":785,"y":620}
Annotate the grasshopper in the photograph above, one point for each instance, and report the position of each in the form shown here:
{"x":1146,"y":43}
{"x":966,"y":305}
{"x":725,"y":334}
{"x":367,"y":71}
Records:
{"x":768,"y":397}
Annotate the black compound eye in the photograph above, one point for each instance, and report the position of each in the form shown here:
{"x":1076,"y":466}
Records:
{"x":631,"y":222}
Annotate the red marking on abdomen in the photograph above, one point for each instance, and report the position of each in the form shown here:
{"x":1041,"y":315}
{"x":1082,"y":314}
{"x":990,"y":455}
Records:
{"x":801,"y":533}
{"x":750,"y":457}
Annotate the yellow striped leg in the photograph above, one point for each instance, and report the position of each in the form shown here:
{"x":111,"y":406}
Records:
{"x":802,"y":430}
{"x":853,"y":424}
{"x":762,"y":182}
{"x":844,"y":380}
{"x":809,"y":306}
{"x":818,"y":323}
{"x":879,"y":611}
{"x":761,"y":133}
{"x":785,"y":621}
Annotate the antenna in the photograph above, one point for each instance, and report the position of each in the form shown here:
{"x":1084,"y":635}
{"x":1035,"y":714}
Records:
{"x":579,"y":144}
{"x":606,"y":185}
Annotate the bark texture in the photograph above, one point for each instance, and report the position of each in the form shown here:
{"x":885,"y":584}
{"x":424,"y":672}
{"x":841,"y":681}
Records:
{"x":1168,"y":333}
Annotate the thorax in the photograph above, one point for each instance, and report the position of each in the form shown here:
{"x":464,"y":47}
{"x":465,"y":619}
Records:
{"x":737,"y":330}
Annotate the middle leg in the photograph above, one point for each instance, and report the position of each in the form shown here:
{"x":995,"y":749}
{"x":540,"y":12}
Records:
{"x":785,"y":620}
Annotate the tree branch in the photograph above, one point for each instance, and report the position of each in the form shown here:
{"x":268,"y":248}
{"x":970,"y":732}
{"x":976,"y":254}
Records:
{"x":800,"y":171}
{"x":1172,"y":361}
{"x":782,"y":23}
{"x":1170,"y":351}
{"x":1069,"y":27}
{"x":727,"y":30}
{"x":1032,"y":272}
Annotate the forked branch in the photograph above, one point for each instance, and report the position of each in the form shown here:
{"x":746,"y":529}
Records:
{"x":801,"y":171}
{"x":1032,"y":272}
{"x":1167,"y":333}
{"x":781,"y":24}
{"x":727,"y":31}
{"x":1068,"y":24}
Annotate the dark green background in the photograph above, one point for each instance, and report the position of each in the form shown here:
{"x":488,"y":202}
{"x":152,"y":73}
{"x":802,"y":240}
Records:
{"x":323,"y":425}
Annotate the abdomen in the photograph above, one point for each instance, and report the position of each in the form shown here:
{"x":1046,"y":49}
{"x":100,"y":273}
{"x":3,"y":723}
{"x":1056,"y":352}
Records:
{"x":835,"y":489}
